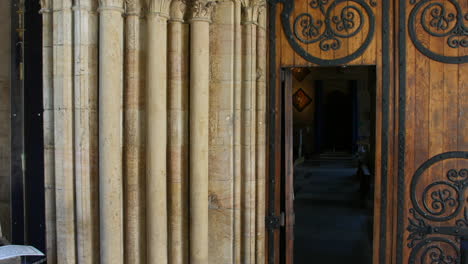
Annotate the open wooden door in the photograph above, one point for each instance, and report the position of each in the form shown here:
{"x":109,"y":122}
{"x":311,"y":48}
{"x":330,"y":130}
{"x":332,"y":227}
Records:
{"x":288,"y":172}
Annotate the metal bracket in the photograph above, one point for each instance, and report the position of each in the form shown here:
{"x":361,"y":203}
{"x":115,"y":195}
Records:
{"x":275,"y":221}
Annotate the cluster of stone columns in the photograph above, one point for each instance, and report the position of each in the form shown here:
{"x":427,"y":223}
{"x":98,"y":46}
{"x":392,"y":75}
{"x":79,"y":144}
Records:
{"x":154,"y":121}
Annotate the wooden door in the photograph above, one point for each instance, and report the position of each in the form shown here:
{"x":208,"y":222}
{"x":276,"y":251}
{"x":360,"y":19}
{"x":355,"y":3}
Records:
{"x":432,"y":209}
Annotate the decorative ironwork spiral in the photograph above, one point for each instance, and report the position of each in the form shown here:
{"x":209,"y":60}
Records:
{"x":439,"y":19}
{"x":335,"y":21}
{"x":331,"y":28}
{"x":435,"y":250}
{"x":435,"y":223}
{"x":441,"y":200}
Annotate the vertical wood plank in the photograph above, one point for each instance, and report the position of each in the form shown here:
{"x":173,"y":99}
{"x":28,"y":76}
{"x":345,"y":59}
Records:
{"x":410,"y":136}
{"x":288,"y":167}
{"x":343,"y":51}
{"x":287,"y":53}
{"x":436,"y":107}
{"x":450,"y":101}
{"x":377,"y":56}
{"x":462,"y":105}
{"x":421,"y":108}
{"x":300,"y":7}
{"x":369,"y":57}
{"x":278,"y":133}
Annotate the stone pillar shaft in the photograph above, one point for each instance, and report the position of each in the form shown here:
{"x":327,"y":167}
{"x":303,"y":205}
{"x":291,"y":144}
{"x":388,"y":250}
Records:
{"x":178,"y":60}
{"x":85,"y":131}
{"x":199,"y":133}
{"x":238,"y":161}
{"x":134,"y":159}
{"x":261,"y":135}
{"x":63,"y":131}
{"x":156,"y":177}
{"x":110,"y":133}
{"x":49,"y":141}
{"x":249,"y":128}
{"x":221,"y":161}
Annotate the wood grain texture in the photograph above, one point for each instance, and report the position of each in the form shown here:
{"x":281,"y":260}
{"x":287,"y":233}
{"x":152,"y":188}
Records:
{"x":434,"y":115}
{"x":289,"y":167}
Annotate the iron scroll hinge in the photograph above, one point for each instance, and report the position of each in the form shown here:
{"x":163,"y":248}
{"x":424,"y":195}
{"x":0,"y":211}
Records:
{"x":275,"y":221}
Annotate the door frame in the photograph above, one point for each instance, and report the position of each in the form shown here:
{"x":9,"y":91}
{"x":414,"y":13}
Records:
{"x":285,"y":177}
{"x":387,"y":127}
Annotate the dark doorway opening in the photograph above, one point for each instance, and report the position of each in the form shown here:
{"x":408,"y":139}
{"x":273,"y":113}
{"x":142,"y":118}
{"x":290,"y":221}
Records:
{"x":336,"y":113}
{"x":27,"y":142}
{"x":333,"y":145}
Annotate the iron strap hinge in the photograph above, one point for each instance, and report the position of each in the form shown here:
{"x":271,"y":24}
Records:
{"x":275,"y":221}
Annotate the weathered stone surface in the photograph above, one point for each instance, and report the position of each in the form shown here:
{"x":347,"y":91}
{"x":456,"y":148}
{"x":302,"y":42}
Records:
{"x":176,"y":137}
{"x":133,"y":129}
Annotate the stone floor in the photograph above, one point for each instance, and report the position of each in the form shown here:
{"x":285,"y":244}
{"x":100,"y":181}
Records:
{"x":332,"y":226}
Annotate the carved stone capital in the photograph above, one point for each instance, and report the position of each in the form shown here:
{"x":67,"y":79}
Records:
{"x":262,"y":16}
{"x":159,"y":7}
{"x":84,"y":5}
{"x":251,"y":9}
{"x":133,"y":7}
{"x":111,"y":5}
{"x":202,"y":9}
{"x":177,"y":12}
{"x":46,"y":6}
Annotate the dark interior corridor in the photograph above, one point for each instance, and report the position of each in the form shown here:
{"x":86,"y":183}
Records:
{"x":333,"y":221}
{"x":333,"y":154}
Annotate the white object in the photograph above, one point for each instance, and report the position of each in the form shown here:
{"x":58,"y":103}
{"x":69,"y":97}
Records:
{"x":13,"y":251}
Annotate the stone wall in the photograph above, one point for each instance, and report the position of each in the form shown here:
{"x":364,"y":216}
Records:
{"x":5,"y":153}
{"x":154,"y":128}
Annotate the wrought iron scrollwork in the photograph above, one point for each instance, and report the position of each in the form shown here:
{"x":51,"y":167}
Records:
{"x":440,"y":19}
{"x":442,"y":200}
{"x":338,"y":20}
{"x":435,"y":226}
{"x":347,"y":24}
{"x":436,"y":250}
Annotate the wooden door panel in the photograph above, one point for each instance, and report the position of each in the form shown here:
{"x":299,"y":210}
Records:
{"x":432,"y":216}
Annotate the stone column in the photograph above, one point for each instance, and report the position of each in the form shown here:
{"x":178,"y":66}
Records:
{"x":63,"y":130}
{"x":261,"y":132}
{"x":199,"y":128}
{"x":156,"y":176}
{"x":85,"y":130}
{"x":221,"y":165}
{"x":48,"y":117}
{"x":249,"y":31}
{"x":178,"y":59}
{"x":238,"y":162}
{"x":110,"y":130}
{"x":134,"y":159}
